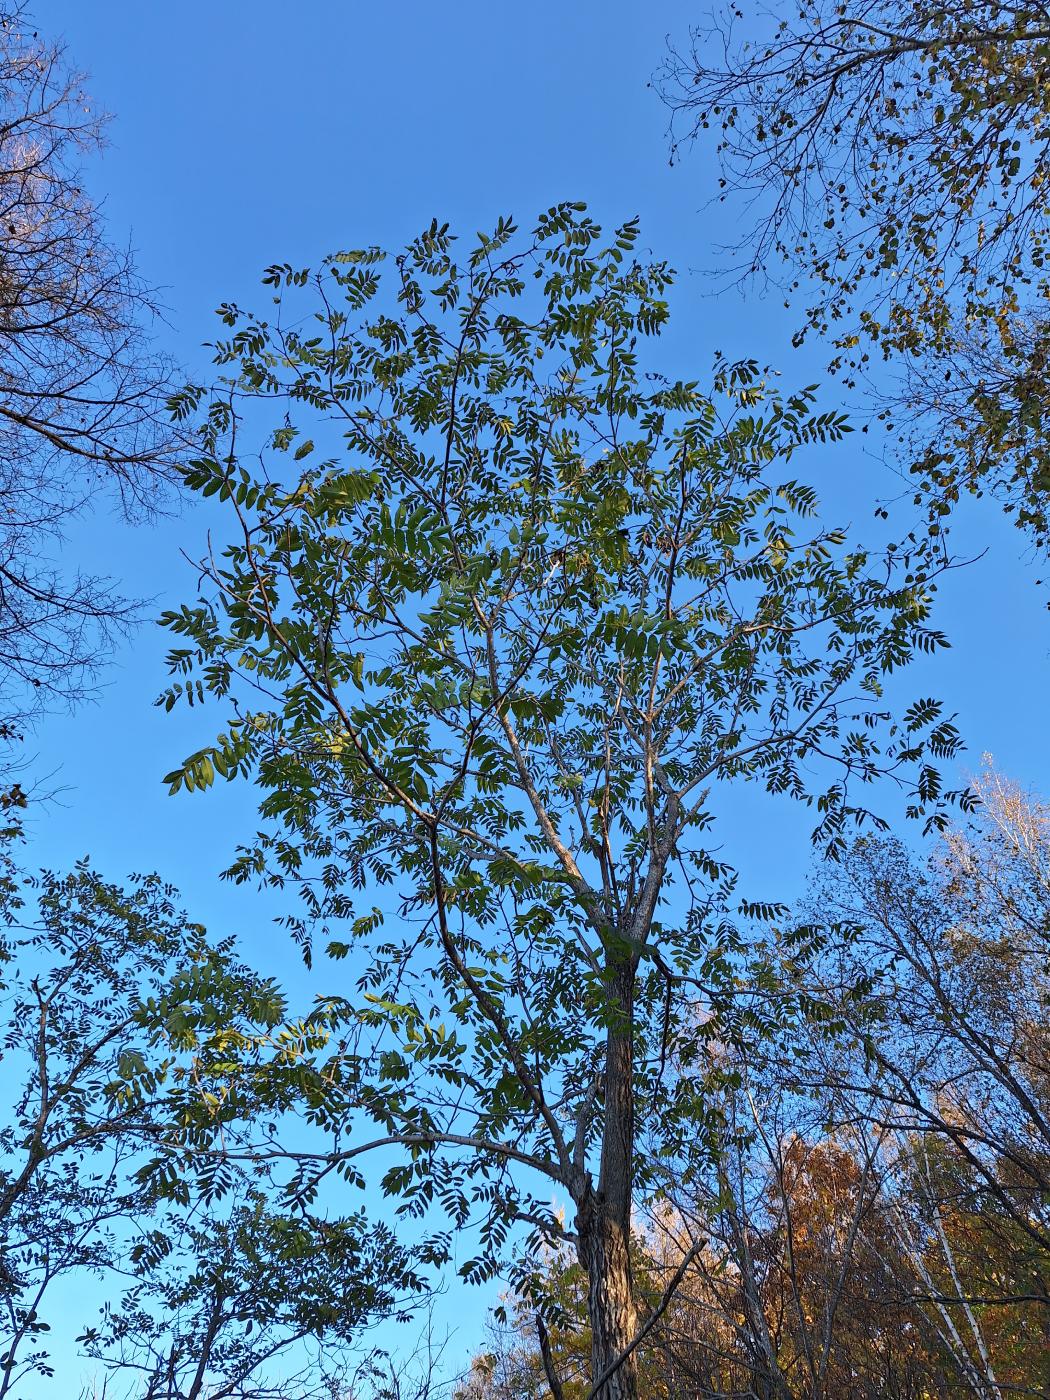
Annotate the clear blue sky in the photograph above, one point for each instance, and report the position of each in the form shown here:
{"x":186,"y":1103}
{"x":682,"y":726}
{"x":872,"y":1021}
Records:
{"x":245,"y":134}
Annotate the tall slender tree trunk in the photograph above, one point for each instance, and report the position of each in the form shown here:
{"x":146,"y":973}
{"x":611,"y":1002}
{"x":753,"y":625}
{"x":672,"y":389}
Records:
{"x":603,"y":1219}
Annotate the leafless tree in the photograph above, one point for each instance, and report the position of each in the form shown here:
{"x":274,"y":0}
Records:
{"x":82,"y":394}
{"x":892,"y":157}
{"x":959,"y":1052}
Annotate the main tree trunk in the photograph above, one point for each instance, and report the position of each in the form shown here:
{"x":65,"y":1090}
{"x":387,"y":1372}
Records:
{"x":605,"y":1254}
{"x":603,"y":1219}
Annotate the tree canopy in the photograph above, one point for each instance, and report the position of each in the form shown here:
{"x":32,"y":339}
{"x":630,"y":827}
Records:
{"x":500,"y":617}
{"x":118,"y":1015}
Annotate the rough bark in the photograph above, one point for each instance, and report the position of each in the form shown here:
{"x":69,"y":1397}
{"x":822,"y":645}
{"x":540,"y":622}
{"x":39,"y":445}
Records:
{"x":605,"y":1254}
{"x":603,"y":1219}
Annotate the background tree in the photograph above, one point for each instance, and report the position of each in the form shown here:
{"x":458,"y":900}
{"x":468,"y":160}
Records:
{"x":897,"y":156}
{"x":871,"y":1221}
{"x":114,"y":1007}
{"x":82,"y":395}
{"x":955,"y":1066}
{"x":800,"y":1289}
{"x":251,"y":1302}
{"x":499,"y":619}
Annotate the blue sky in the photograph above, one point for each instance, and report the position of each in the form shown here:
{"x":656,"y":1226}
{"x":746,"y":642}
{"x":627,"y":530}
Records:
{"x":248,"y":134}
{"x":245,"y":134}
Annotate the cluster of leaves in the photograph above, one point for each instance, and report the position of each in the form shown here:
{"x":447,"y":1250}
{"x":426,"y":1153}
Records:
{"x":119,"y":1017}
{"x":216,"y":1302}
